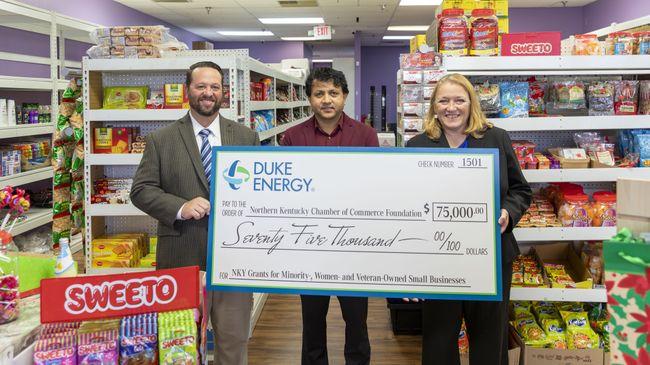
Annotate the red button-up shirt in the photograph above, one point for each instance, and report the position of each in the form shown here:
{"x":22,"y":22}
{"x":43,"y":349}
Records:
{"x":348,"y":133}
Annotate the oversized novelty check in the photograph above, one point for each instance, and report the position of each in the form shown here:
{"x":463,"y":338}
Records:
{"x":356,"y":222}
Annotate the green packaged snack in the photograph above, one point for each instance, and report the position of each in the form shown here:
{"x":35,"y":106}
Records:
{"x":177,"y":333}
{"x":580,"y":336}
{"x":521,"y":310}
{"x":125,"y":97}
{"x":555,"y":333}
{"x":546,"y":312}
{"x":530,"y":332}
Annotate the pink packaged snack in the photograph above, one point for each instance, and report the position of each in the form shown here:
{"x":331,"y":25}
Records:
{"x":55,"y":328}
{"x":56,"y":350}
{"x":98,"y":348}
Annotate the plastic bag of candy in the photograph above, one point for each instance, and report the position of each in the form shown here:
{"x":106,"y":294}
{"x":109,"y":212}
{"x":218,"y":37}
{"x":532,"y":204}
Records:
{"x":489,"y":98}
{"x":580,"y":336}
{"x":626,"y":95}
{"x":569,"y":94}
{"x":536,"y":98}
{"x":601,"y":98}
{"x":514,"y":99}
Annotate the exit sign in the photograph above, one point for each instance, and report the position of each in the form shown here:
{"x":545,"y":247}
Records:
{"x":322,"y":32}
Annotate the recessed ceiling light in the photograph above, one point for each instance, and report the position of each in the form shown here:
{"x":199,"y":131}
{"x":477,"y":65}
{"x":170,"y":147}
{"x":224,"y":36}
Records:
{"x":328,"y":60}
{"x":397,"y":37}
{"x":420,"y":2}
{"x":292,"y":20}
{"x":298,"y":38}
{"x":247,"y":33}
{"x":408,"y":28}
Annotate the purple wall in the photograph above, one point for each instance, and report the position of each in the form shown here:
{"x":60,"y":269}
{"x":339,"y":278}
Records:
{"x":267,"y":52}
{"x":379,"y":67}
{"x":603,"y":13}
{"x":110,"y":13}
{"x":569,"y":21}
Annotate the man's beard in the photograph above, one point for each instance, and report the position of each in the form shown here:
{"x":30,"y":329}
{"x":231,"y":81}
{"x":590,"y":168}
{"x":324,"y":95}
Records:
{"x":195,"y":104}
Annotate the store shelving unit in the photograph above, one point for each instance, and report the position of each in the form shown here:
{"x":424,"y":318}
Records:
{"x":36,"y":217}
{"x":237,"y":67}
{"x":26,"y":177}
{"x":554,"y":131}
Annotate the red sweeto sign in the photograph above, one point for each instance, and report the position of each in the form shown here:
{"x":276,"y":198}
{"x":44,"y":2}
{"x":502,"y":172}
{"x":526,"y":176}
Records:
{"x":103,"y":296}
{"x":531,"y":44}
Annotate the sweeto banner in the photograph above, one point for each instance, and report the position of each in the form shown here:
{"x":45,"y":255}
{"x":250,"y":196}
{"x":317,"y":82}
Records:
{"x":104,"y":296}
{"x":356,"y":222}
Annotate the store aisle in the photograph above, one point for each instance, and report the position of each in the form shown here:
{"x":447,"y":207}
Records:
{"x":277,"y":336}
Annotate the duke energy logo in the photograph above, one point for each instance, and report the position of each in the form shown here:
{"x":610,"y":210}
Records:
{"x":235,"y":175}
{"x":268,"y":176}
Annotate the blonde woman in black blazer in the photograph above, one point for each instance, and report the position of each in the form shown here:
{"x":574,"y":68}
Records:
{"x":455,"y":120}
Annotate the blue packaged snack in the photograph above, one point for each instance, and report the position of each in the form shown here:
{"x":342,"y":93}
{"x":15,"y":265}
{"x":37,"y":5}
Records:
{"x":642,"y":143}
{"x":514,"y":99}
{"x":139,"y":339}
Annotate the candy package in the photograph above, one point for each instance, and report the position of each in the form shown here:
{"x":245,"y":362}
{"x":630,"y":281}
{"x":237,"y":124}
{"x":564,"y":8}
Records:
{"x":139,"y":339}
{"x":413,"y":110}
{"x":125,"y":97}
{"x":586,"y":45}
{"x":514,"y":99}
{"x":98,"y":348}
{"x":431,"y":77}
{"x":452,"y":33}
{"x":427,"y":92}
{"x":626,"y":95}
{"x":569,"y":94}
{"x":177,"y":335}
{"x":531,"y":332}
{"x":579,"y":333}
{"x":410,"y":94}
{"x":536,"y":98}
{"x":56,"y":350}
{"x":489,"y":97}
{"x":601,"y":98}
{"x":484,"y":33}
{"x":644,"y":97}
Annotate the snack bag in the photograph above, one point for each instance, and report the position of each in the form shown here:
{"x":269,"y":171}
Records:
{"x":139,"y":339}
{"x":521,"y":310}
{"x":56,"y":350}
{"x":569,"y":94}
{"x":514,"y":99}
{"x":579,"y":333}
{"x":530,"y":331}
{"x":601,"y":98}
{"x":536,"y":98}
{"x":489,"y":98}
{"x":626,"y":94}
{"x":125,"y":97}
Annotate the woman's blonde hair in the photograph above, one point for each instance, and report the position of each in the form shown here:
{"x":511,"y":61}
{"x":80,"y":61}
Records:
{"x":477,"y":125}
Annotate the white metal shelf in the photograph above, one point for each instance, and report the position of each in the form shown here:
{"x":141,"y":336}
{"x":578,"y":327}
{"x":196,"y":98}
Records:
{"x":572,"y":123}
{"x":260,"y":68}
{"x":179,"y":64}
{"x":559,"y":295}
{"x":549,"y":65}
{"x":585,"y":175}
{"x":36,"y":217}
{"x":262,"y":105}
{"x":26,"y":177}
{"x":116,"y":270}
{"x":25,"y":83}
{"x":279,"y":129}
{"x":113,"y":210}
{"x":115,"y":115}
{"x":110,"y":159}
{"x":24,"y":130}
{"x":564,"y":234}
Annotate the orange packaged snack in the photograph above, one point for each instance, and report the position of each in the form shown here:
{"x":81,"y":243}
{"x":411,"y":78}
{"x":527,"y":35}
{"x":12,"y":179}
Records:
{"x":575,"y":211}
{"x":604,"y":209}
{"x":586,"y":45}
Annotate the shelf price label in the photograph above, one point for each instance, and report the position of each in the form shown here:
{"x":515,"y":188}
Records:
{"x":355,"y":222}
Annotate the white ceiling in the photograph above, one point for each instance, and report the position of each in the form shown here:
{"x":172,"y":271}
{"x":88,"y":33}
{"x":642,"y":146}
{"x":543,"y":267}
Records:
{"x":371,"y":17}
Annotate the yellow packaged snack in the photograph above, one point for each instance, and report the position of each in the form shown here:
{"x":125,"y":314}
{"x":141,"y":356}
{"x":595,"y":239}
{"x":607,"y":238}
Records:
{"x":580,"y":336}
{"x":544,"y":312}
{"x":114,"y":249}
{"x":521,"y":310}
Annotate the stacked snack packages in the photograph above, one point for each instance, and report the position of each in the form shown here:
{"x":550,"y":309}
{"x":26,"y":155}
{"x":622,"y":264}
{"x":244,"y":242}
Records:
{"x":570,"y":326}
{"x":68,"y":164}
{"x":574,"y":209}
{"x":417,"y":79}
{"x":540,"y":214}
{"x":483,"y":33}
{"x":56,"y":344}
{"x":178,"y":337}
{"x":133,"y":42}
{"x":97,"y":342}
{"x":119,"y":250}
{"x":617,"y":43}
{"x":139,"y":339}
{"x":526,"y":272}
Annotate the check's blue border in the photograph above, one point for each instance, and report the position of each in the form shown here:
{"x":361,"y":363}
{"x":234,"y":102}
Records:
{"x":354,"y":293}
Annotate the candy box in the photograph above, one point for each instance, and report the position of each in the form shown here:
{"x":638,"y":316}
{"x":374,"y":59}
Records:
{"x":563,"y":254}
{"x":174,"y":94}
{"x":102,"y":140}
{"x":120,"y":140}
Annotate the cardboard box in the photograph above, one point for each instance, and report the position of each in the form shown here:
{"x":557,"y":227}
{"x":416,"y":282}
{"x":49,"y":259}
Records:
{"x":565,"y":163}
{"x":531,"y":44}
{"x":632,"y":208}
{"x":174,"y":96}
{"x":202,"y":45}
{"x":120,"y":140}
{"x":563,"y":253}
{"x":515,"y":350}
{"x":102,"y":140}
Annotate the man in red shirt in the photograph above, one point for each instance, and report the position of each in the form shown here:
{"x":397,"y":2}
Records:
{"x":327,"y":90}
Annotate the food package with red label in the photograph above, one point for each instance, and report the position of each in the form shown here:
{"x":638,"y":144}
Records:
{"x":452,"y":33}
{"x":484,"y":33}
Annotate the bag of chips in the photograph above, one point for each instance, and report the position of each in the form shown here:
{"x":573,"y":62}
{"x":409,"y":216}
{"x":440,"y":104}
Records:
{"x":531,"y":332}
{"x":580,"y":336}
{"x":489,"y":98}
